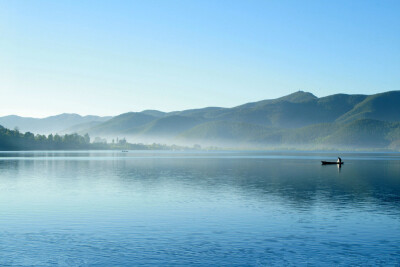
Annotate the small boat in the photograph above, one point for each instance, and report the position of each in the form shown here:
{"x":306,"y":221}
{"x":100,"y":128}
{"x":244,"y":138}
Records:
{"x":331,"y":162}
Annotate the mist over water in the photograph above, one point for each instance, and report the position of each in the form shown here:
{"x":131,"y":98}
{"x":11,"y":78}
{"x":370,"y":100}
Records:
{"x":200,"y":208}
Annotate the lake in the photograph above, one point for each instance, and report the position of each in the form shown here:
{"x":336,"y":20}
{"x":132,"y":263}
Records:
{"x":99,"y":208}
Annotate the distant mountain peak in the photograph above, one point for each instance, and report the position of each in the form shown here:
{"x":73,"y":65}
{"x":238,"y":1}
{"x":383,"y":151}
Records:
{"x":152,"y":112}
{"x":298,"y":97}
{"x":74,"y":115}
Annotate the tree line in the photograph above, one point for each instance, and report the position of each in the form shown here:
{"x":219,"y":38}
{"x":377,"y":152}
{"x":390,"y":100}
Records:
{"x":15,"y":140}
{"x":11,"y":140}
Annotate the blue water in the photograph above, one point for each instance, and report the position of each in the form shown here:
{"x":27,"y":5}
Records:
{"x":202,"y":208}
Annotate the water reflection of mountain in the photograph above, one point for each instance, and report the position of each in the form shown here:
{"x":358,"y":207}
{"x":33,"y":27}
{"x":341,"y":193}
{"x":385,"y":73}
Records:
{"x":299,"y":183}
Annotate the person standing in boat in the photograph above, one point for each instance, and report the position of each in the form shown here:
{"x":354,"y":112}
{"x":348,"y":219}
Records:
{"x":339,"y":160}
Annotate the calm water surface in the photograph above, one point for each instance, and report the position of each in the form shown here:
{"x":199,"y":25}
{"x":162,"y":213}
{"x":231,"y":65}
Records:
{"x":179,"y":208}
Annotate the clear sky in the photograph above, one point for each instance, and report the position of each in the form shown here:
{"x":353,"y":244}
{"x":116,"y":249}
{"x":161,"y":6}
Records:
{"x":111,"y":57}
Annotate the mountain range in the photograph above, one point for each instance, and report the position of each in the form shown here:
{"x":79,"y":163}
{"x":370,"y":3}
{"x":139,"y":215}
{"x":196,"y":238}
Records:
{"x":62,"y":123}
{"x":297,"y":120}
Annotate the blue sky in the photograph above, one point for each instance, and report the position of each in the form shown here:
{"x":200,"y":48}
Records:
{"x":110,"y":57}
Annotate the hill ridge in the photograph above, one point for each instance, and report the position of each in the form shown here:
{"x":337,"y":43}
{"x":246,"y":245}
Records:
{"x":298,"y":117}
